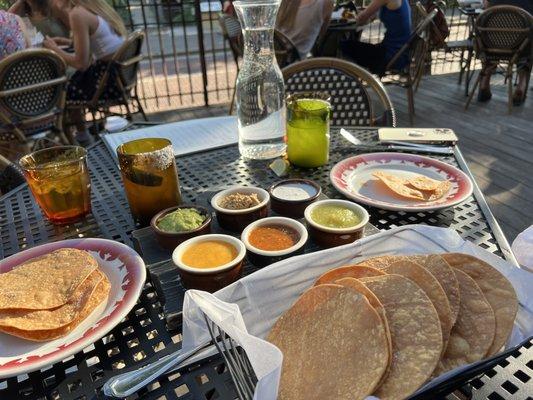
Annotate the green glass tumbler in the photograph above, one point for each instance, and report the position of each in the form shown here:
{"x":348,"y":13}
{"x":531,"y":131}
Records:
{"x":308,"y":120}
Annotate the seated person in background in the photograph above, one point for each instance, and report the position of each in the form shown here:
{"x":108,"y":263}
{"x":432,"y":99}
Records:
{"x":98,"y":32}
{"x":227,"y":8}
{"x":47,"y":18}
{"x":303,"y":21}
{"x":396,"y":17}
{"x":524,"y":69}
{"x":13,"y":36}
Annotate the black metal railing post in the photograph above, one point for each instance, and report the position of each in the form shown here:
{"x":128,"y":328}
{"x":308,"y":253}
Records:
{"x":201,"y":48}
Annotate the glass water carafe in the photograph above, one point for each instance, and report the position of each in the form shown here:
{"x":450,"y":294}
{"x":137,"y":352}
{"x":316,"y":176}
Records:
{"x":260,"y":88}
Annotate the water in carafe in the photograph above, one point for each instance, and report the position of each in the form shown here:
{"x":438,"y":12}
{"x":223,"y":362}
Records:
{"x":260,"y":88}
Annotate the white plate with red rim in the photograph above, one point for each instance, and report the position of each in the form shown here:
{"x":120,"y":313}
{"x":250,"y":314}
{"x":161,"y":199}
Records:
{"x":126,"y":272}
{"x":353,"y":178}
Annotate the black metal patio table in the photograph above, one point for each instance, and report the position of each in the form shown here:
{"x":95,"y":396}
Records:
{"x":145,"y":334}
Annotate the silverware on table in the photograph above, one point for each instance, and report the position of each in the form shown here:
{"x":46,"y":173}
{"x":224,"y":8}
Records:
{"x":239,"y":366}
{"x":126,"y":384}
{"x":405,"y":146}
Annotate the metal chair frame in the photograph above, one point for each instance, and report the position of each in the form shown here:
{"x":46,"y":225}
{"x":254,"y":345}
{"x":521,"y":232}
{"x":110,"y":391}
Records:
{"x":418,"y":47}
{"x":286,"y":52}
{"x":355,"y":73}
{"x":502,"y":55}
{"x":228,"y":25}
{"x":126,"y":86}
{"x":23,"y":125}
{"x":11,"y":175}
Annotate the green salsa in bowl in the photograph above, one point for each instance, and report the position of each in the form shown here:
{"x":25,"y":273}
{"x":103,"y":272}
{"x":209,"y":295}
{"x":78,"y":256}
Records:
{"x":181,"y":220}
{"x":178,"y":224}
{"x":333,"y":223}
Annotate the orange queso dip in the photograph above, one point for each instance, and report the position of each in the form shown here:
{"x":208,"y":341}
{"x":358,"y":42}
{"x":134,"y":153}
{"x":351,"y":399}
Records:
{"x":209,"y":254}
{"x":273,"y":237}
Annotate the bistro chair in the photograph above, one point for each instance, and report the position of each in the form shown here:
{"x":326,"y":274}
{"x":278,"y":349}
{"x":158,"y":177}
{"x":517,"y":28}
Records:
{"x":504,"y":35}
{"x":352,"y":90}
{"x":417,"y":48}
{"x":286,"y":52}
{"x":465,"y":50}
{"x":32,"y":99}
{"x":11,"y":175}
{"x":127,"y":61}
{"x":231,"y":31}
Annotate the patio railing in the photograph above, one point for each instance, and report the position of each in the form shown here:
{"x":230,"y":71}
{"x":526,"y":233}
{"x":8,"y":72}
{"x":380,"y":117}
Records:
{"x":188,"y":64}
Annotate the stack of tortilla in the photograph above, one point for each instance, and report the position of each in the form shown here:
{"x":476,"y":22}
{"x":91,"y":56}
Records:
{"x":47,"y":297}
{"x":388,"y":325}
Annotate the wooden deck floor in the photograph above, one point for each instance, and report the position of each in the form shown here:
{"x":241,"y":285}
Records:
{"x":497,"y":146}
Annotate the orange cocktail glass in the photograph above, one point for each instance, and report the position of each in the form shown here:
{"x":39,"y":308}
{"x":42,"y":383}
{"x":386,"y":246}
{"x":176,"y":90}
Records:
{"x":59,"y":180}
{"x":150,"y":177}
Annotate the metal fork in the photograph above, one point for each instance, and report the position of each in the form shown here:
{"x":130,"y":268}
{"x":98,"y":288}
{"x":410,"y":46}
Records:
{"x":235,"y":358}
{"x":237,"y":362}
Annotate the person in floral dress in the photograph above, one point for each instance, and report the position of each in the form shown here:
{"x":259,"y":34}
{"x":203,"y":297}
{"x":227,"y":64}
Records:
{"x":13,"y":35}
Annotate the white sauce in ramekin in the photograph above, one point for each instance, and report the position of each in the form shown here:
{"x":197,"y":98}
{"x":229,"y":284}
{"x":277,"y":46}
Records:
{"x":294,"y":191}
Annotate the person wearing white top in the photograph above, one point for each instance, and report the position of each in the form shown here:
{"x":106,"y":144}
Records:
{"x":303,"y":21}
{"x":97,"y":33}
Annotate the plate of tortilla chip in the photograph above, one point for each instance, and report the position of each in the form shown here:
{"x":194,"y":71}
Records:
{"x":401,"y":182}
{"x":58,"y":298}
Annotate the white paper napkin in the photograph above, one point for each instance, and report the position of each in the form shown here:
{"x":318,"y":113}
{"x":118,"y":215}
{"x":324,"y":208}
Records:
{"x":523,"y":248}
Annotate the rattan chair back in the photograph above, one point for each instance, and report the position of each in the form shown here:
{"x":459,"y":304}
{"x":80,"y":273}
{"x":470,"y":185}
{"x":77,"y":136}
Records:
{"x":417,"y":46}
{"x":32,"y":93}
{"x":231,"y":30}
{"x":286,"y":52}
{"x":502,"y":32}
{"x":127,"y":60}
{"x":349,"y":86}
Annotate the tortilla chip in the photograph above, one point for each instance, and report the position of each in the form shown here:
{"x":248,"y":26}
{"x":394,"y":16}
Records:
{"x":440,"y":191}
{"x":349,"y":271}
{"x":442,"y":271}
{"x":424,"y":183}
{"x":419,"y":187}
{"x":31,"y":320}
{"x":331,"y":335}
{"x":380,"y":261}
{"x":45,"y":282}
{"x":415,"y":332}
{"x":398,"y":186}
{"x":374,"y":302}
{"x":98,"y":296}
{"x":429,"y":284}
{"x":497,"y":289}
{"x":473,"y":333}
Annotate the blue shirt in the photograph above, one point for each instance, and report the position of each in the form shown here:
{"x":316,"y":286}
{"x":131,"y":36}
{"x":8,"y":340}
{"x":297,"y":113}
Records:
{"x":398,"y":30}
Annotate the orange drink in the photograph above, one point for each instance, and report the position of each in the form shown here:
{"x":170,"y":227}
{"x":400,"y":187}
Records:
{"x":150,"y":177}
{"x":59,"y":180}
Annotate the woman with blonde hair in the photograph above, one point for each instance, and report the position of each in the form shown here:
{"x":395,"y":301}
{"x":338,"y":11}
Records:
{"x":97,"y":33}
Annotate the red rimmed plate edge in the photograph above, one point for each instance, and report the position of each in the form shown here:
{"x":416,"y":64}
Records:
{"x":464,"y":191}
{"x":133,"y":288}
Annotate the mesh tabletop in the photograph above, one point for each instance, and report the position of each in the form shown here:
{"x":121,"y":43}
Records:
{"x":144,"y":333}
